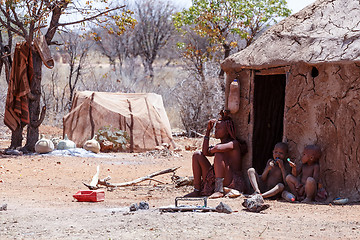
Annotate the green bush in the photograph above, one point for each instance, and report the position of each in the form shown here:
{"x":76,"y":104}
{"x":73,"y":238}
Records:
{"x":119,"y":138}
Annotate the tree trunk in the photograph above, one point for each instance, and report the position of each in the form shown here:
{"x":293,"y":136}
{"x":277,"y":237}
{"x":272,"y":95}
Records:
{"x":227,"y":50}
{"x":16,"y":138}
{"x":34,"y":105}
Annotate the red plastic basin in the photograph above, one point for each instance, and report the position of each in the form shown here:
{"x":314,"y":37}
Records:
{"x":90,"y":196}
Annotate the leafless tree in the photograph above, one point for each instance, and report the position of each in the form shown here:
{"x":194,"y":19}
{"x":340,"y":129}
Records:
{"x":153,"y":30}
{"x":117,"y":48}
{"x":53,"y":97}
{"x":77,"y":48}
{"x":200,"y":95}
{"x":5,"y":55}
{"x":25,"y":19}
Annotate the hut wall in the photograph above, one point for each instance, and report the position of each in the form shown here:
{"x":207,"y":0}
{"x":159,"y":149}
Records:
{"x":324,"y":110}
{"x":243,"y":118}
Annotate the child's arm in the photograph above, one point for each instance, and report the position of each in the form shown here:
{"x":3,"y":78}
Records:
{"x":293,"y":167}
{"x":316,"y":172}
{"x":267,"y":169}
{"x":298,"y":169}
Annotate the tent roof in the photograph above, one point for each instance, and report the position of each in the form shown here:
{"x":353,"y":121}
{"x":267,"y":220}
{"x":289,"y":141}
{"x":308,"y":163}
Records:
{"x":325,"y":31}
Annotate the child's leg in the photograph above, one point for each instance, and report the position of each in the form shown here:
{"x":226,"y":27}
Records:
{"x":254,"y":179}
{"x":275,"y":190}
{"x":310,"y":189}
{"x":293,"y":184}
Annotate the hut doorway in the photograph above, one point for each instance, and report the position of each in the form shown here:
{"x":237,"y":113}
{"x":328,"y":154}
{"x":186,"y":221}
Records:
{"x":269,"y":103}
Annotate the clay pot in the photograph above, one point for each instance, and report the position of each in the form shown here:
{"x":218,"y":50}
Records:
{"x":92,"y":145}
{"x":66,"y":144}
{"x":44,"y":145}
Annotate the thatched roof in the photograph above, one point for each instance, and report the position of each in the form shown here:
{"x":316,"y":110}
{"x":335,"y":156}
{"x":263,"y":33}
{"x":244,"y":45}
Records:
{"x":325,"y":31}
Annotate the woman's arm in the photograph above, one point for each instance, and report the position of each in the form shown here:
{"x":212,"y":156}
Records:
{"x":205,"y":146}
{"x":222,"y":147}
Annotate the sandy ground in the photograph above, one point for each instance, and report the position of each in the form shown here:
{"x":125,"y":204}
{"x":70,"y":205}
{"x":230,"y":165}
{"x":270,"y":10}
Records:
{"x":39,"y":193}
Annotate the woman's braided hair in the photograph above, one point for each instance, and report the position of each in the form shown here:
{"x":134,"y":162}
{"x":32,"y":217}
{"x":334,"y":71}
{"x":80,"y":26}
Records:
{"x":230,"y":126}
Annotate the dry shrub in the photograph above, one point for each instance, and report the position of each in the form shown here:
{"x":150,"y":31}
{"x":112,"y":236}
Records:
{"x":199,"y":101}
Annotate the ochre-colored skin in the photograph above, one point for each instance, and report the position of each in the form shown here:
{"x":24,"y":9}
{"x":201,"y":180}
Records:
{"x":227,"y":158}
{"x":304,"y":180}
{"x":274,"y":176}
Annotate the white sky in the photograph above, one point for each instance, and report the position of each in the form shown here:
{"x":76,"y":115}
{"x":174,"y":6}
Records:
{"x":294,"y":5}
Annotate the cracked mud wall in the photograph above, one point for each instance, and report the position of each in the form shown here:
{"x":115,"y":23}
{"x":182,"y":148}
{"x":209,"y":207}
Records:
{"x":242,"y":119}
{"x":324,"y":110}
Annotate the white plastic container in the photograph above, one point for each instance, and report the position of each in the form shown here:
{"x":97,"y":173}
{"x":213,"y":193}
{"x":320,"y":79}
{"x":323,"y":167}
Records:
{"x":234,"y":97}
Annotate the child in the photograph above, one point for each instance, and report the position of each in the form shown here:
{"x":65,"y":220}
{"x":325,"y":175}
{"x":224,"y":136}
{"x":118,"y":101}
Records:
{"x":304,"y":180}
{"x":271,"y":182}
{"x":226,"y":170}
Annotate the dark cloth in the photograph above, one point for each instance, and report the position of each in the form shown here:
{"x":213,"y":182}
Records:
{"x":208,"y":184}
{"x":17,"y":102}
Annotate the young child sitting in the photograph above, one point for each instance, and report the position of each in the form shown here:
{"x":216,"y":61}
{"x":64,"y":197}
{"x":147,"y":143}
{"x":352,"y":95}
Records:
{"x":304,"y":180}
{"x":271,"y":182}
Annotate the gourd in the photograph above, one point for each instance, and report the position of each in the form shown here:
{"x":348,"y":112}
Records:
{"x":92,"y":145}
{"x":66,"y":144}
{"x":234,"y":96}
{"x":44,"y":145}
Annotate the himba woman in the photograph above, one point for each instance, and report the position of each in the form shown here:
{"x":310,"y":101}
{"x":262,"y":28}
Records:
{"x":226,"y":170}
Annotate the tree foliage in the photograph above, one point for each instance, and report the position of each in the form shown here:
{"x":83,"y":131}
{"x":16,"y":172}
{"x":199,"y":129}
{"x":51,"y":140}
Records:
{"x":217,"y":20}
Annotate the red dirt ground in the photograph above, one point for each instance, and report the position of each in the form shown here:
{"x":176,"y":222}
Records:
{"x":39,"y":193}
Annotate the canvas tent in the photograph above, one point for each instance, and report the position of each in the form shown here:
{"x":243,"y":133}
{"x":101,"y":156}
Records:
{"x":141,"y":115}
{"x":300,"y":84}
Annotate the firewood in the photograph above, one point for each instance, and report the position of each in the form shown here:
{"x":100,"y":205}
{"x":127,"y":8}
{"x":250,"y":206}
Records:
{"x":149,"y":177}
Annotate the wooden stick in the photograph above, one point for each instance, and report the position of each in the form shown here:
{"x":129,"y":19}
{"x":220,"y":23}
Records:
{"x":150,"y":177}
{"x":153,"y":179}
{"x":139,"y":180}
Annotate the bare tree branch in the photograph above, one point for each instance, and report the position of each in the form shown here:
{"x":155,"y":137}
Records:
{"x":20,"y":24}
{"x":90,"y":18}
{"x":7,"y":24}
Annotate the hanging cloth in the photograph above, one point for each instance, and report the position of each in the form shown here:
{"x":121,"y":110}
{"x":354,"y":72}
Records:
{"x":17,"y":102}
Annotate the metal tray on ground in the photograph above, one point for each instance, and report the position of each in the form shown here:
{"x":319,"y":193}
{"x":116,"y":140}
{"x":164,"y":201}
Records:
{"x":187,"y":208}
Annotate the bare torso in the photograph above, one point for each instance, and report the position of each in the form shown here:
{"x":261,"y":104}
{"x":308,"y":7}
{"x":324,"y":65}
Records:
{"x":233,"y":157}
{"x":274,"y":176}
{"x":307,"y":171}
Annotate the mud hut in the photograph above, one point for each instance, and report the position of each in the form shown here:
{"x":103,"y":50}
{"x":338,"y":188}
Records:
{"x":300,"y":83}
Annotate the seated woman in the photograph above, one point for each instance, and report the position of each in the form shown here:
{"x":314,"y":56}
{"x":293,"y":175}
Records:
{"x":226,"y":170}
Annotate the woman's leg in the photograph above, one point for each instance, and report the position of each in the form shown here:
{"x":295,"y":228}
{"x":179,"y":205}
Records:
{"x":200,"y":167}
{"x":223,"y":175}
